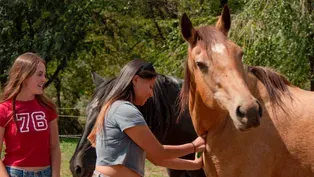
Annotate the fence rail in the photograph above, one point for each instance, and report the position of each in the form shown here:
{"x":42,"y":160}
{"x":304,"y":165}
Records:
{"x":68,"y":117}
{"x":64,"y":116}
{"x":70,"y":136}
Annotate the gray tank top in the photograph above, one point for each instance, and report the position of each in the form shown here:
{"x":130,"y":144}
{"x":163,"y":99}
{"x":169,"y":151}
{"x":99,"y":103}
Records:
{"x":113,"y":146}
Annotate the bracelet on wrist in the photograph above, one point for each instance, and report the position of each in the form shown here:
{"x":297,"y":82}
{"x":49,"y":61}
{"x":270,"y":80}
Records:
{"x":194,"y":146}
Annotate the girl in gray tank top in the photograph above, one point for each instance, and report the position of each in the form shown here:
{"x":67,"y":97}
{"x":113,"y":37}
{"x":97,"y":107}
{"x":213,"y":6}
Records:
{"x":121,"y":136}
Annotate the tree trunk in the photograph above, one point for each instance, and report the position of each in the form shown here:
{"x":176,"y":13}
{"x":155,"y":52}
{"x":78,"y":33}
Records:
{"x":155,"y":22}
{"x":60,"y":67}
{"x":57,"y":84}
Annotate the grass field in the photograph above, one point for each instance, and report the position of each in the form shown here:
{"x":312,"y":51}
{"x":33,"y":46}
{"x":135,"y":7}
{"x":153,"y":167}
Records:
{"x":68,"y":146}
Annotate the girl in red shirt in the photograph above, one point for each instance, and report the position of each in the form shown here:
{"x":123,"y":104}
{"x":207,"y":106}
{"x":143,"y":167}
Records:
{"x":28,"y":124}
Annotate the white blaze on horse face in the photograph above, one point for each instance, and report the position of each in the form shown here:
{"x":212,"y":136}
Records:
{"x":219,"y":48}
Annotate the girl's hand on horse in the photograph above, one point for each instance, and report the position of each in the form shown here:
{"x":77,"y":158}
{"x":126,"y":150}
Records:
{"x":198,"y":161}
{"x":199,"y":143}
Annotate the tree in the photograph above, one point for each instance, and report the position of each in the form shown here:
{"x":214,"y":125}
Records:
{"x":54,"y":29}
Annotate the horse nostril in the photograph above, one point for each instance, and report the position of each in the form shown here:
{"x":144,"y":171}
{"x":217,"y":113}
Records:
{"x":260,"y":109}
{"x":78,"y":169}
{"x":239,"y":112}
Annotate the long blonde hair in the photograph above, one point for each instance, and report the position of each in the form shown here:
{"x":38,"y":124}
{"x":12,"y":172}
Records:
{"x":24,"y":67}
{"x":122,"y":90}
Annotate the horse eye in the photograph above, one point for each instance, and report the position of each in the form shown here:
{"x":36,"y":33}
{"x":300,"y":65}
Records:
{"x":201,"y":65}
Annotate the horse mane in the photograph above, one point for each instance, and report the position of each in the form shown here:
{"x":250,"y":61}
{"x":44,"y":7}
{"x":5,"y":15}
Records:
{"x":275,"y":84}
{"x":184,"y":94}
{"x":161,"y":111}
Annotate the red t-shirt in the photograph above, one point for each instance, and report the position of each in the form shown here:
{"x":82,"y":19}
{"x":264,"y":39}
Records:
{"x":30,"y":146}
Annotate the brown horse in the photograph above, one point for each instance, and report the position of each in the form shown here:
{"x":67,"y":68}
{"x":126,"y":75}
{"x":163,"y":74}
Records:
{"x":226,"y":99}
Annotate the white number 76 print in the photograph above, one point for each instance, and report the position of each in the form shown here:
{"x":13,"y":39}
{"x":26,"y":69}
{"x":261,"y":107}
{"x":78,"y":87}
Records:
{"x":37,"y":119}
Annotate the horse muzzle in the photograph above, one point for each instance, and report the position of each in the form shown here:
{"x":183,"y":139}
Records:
{"x":248,"y":116}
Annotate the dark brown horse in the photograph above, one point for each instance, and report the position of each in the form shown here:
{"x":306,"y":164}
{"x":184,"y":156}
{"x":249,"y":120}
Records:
{"x":226,"y":99}
{"x":160,"y":112}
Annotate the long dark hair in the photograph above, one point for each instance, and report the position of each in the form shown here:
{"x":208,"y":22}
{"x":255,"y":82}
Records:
{"x":122,"y":90}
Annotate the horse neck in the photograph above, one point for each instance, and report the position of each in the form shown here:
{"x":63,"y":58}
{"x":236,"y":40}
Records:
{"x":204,"y":118}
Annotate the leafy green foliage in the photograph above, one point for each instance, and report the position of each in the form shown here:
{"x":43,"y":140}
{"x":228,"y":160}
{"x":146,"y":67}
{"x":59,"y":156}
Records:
{"x":54,"y":29}
{"x":277,"y":34}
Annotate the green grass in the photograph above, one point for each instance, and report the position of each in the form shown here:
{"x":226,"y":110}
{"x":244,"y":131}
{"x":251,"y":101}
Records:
{"x":67,"y":149}
{"x":154,"y":171}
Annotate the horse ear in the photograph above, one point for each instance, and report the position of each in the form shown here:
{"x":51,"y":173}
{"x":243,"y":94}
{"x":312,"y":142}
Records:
{"x":97,"y":79}
{"x":187,"y":29}
{"x":224,"y":21}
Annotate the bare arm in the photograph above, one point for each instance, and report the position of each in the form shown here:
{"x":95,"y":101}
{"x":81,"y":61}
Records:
{"x":55,"y":152}
{"x":156,"y":152}
{"x":181,"y":164}
{"x":3,"y":171}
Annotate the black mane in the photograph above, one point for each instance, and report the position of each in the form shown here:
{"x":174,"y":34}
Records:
{"x":161,"y":111}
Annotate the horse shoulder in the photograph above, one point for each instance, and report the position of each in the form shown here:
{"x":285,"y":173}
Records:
{"x":297,"y":128}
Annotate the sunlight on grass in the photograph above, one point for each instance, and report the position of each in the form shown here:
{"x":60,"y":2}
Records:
{"x":154,"y":171}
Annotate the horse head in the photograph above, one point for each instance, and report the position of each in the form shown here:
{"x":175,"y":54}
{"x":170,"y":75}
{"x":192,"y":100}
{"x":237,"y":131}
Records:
{"x":215,"y":83}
